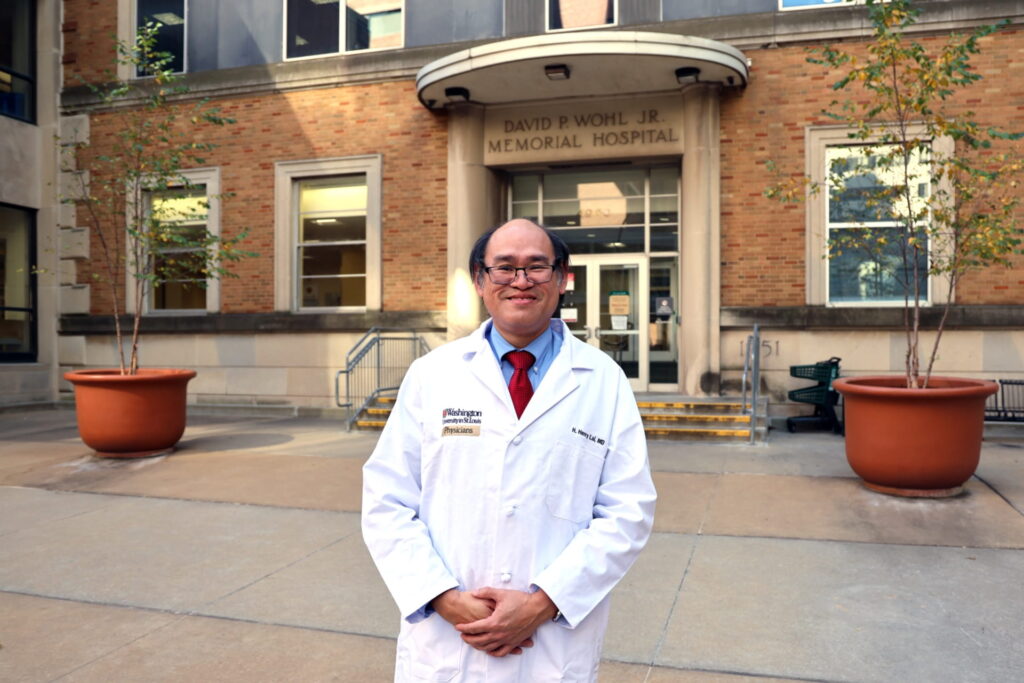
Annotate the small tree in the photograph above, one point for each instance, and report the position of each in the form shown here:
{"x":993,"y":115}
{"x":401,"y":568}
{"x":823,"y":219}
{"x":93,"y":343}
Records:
{"x":152,"y":146}
{"x":947,"y":212}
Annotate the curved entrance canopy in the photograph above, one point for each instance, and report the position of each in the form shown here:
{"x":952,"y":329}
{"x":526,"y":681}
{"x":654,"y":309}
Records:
{"x":579,"y":64}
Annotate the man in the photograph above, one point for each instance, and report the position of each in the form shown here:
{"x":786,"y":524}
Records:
{"x":508,"y":493}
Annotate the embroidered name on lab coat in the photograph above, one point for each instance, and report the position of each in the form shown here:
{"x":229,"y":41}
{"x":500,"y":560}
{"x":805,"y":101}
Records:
{"x":460,"y":422}
{"x":588,"y":437}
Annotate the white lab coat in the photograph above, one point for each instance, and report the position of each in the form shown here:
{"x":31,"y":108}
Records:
{"x":461,"y":493}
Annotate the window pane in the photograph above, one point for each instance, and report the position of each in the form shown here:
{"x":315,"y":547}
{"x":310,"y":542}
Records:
{"x":180,"y":206}
{"x":332,"y":292}
{"x":16,"y":263}
{"x":858,"y":276}
{"x":525,"y":210}
{"x":333,"y":229}
{"x":170,"y":296}
{"x":17,"y":59}
{"x":15,"y":266}
{"x":665,"y":180}
{"x":603,"y":240}
{"x":349,"y":259}
{"x":865,"y":180}
{"x":594,"y":184}
{"x":525,"y":187}
{"x":664,"y":237}
{"x":373,"y":24}
{"x":664,"y":210}
{"x":171,"y":35}
{"x":580,"y":13}
{"x":333,"y":195}
{"x":15,"y":332}
{"x":312,"y":27}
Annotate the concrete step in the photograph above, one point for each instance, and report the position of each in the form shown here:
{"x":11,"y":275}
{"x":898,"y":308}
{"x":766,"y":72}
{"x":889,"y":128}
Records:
{"x":696,"y":433}
{"x":703,"y":419}
{"x":691,"y":406}
{"x":695,"y":418}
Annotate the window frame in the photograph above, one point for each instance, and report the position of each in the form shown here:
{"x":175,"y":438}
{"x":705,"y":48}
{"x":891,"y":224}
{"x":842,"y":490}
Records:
{"x":647,"y":224}
{"x":32,"y":112}
{"x":210,"y":179}
{"x":32,"y":355}
{"x":287,"y":274}
{"x":134,"y":18}
{"x":342,"y":33}
{"x":818,"y":140}
{"x":821,"y":5}
{"x":592,"y":27}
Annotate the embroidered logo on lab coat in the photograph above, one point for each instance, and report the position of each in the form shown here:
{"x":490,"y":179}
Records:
{"x":460,"y":422}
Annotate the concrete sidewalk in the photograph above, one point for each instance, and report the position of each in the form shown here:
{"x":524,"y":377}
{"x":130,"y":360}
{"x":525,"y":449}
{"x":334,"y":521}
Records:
{"x":239,"y":558}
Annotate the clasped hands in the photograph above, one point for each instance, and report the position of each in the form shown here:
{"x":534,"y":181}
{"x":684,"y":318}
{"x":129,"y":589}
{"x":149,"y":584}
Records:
{"x":496,"y":621}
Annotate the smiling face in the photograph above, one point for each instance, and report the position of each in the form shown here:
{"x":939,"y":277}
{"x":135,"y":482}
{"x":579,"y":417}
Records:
{"x":521,"y":310}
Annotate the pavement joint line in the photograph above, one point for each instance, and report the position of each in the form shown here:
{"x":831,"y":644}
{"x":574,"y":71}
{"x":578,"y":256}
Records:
{"x":55,"y":519}
{"x":184,"y":500}
{"x":279,"y":569}
{"x":999,"y":493}
{"x":182,"y":615}
{"x":726,"y":672}
{"x":675,"y":533}
{"x":848,"y":541}
{"x":195,"y":614}
{"x":686,"y":571}
{"x":120,"y":647}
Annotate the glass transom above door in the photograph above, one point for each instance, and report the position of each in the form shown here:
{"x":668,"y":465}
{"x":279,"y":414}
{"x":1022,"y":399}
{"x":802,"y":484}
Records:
{"x":604,"y":211}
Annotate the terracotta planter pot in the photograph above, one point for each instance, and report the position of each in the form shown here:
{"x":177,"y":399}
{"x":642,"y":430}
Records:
{"x":914,"y":442}
{"x":130,"y":416}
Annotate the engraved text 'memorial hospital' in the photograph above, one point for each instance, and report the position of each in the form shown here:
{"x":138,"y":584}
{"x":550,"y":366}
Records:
{"x":593,"y":129}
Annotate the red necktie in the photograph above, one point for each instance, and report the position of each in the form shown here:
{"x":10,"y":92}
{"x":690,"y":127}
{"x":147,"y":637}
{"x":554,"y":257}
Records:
{"x":519,"y":386}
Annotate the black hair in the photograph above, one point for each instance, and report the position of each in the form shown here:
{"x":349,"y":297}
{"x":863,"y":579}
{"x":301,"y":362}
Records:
{"x":476,"y":255}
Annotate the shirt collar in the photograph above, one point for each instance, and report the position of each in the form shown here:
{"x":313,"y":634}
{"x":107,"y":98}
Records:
{"x":539,"y":347}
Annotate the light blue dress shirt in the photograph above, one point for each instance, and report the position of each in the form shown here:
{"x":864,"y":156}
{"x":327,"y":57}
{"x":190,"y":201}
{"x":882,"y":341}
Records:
{"x":544,"y":349}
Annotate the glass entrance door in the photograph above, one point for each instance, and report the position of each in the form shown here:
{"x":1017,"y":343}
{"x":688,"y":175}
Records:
{"x":606,"y":305}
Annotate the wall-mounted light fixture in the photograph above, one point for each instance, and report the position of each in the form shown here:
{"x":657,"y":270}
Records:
{"x":687,"y":74}
{"x":556,"y":72}
{"x":457,"y":94}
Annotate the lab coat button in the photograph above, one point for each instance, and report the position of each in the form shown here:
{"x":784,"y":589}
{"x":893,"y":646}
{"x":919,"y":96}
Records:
{"x":518,"y":440}
{"x":506,"y":577}
{"x":510,"y":511}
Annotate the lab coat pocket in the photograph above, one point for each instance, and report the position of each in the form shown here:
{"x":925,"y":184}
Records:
{"x":438,"y":649}
{"x":574,"y":472}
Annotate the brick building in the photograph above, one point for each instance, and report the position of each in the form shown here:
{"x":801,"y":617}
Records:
{"x":372,"y":146}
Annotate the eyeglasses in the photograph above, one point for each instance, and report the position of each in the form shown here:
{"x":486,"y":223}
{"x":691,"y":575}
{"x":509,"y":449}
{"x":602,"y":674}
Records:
{"x":537,"y":273}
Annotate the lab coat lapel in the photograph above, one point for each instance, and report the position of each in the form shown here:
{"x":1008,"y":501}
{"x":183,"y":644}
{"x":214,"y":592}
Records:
{"x":485,"y":368}
{"x":559,"y":382}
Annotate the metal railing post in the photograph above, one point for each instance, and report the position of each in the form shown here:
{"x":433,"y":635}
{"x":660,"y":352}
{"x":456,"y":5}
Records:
{"x":755,"y":382}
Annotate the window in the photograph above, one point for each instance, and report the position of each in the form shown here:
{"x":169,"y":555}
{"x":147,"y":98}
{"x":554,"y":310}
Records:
{"x":183,"y":286}
{"x":193,"y":210}
{"x":856,"y":214}
{"x":604,"y":211}
{"x":857,"y":271}
{"x":319,"y":27}
{"x":331,"y":242}
{"x":571,"y":14}
{"x":17,"y":285}
{"x":171,"y":35}
{"x":18,"y":59}
{"x":327,"y":254}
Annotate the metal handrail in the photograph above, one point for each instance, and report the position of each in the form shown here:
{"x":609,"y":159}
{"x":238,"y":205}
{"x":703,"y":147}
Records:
{"x":752,"y":367}
{"x":376,"y":365}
